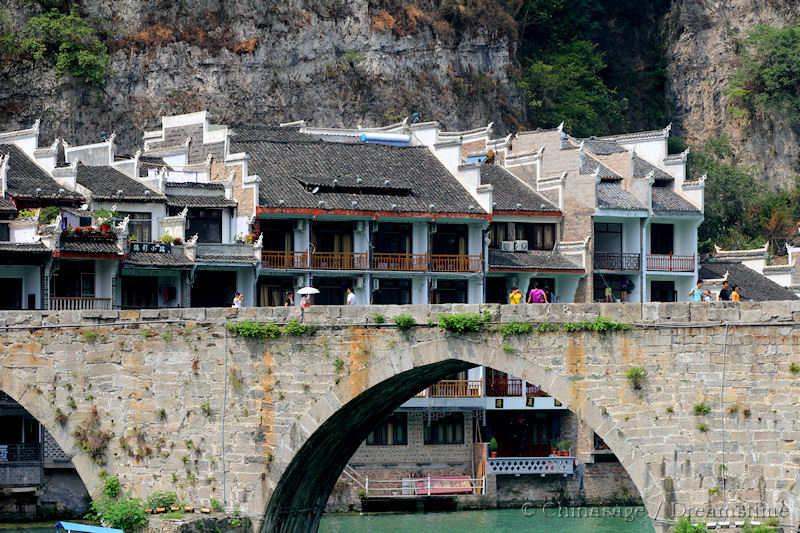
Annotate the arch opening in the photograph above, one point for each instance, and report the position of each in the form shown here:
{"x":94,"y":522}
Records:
{"x":300,"y":497}
{"x":37,"y":478}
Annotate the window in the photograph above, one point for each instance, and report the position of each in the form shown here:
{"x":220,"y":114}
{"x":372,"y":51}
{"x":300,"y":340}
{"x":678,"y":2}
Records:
{"x":206,"y":223}
{"x":662,"y":240}
{"x":139,"y":226}
{"x":539,"y":236}
{"x":5,"y":233}
{"x":498,"y":232}
{"x":448,"y":429}
{"x":394,"y":431}
{"x":608,"y":237}
{"x":84,"y":221}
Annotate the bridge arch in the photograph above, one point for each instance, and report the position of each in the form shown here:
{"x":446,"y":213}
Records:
{"x":38,"y":403}
{"x":331,"y":430}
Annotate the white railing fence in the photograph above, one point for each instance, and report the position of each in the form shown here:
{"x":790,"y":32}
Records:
{"x":423,"y":486}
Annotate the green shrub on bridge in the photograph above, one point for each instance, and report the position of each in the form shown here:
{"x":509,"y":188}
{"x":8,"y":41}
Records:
{"x":515,"y":328}
{"x":461,"y":323}
{"x":600,"y":324}
{"x":162,"y":499}
{"x":684,"y":525}
{"x":295,"y":329}
{"x":117,"y":510}
{"x":404,"y":322}
{"x":254,"y":330}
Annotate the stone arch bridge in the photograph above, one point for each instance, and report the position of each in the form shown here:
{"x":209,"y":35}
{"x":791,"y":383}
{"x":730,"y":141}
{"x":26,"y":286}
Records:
{"x":171,"y":400}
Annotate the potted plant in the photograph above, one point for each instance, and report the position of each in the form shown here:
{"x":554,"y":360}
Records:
{"x":563,"y":447}
{"x":493,"y":448}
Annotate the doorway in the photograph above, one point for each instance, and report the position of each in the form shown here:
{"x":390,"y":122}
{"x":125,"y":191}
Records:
{"x":214,"y":288}
{"x":662,"y":239}
{"x":11,"y":295}
{"x":496,"y":292}
{"x":663,"y":291}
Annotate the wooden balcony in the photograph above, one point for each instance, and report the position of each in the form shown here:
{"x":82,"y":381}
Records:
{"x":455,"y":263}
{"x":339,"y":261}
{"x":400,"y":262}
{"x":284,"y":260}
{"x":78,"y":303}
{"x":670,"y":263}
{"x":616,"y":261}
{"x":454,"y":388}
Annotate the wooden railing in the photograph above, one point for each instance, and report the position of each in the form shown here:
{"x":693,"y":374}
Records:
{"x":504,"y":387}
{"x":284,"y":260}
{"x":400,"y":262}
{"x":455,"y":263}
{"x":454,"y":388}
{"x":670,"y":263}
{"x":616,"y":261}
{"x":340,"y":261}
{"x":77,"y":303}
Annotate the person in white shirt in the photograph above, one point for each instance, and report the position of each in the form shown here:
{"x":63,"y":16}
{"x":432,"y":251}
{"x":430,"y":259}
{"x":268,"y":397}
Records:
{"x":351,"y":297}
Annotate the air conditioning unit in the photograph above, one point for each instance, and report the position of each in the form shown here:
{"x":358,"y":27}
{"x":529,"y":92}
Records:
{"x":521,"y":246}
{"x":300,"y":225}
{"x":359,"y":283}
{"x":376,"y":284}
{"x":507,"y":246}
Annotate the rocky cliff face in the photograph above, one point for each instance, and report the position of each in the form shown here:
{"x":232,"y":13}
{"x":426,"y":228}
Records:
{"x":341,"y":62}
{"x":702,"y":39}
{"x":333,"y":62}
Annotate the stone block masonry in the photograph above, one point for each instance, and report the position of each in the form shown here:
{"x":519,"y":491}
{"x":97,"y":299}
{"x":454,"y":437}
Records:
{"x":173,"y":401}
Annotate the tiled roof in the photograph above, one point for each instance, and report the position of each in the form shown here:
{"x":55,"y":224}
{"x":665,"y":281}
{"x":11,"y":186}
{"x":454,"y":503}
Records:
{"x":611,"y":195}
{"x":642,"y":168}
{"x":535,"y":259}
{"x":157,"y":260}
{"x":226,"y":259}
{"x":108,"y":183}
{"x":24,"y":247}
{"x":511,"y":194}
{"x":665,"y":200}
{"x":197,"y":185}
{"x":89,"y":246}
{"x":189,"y":194}
{"x":601,"y":147}
{"x":590,"y":165}
{"x":284,"y":167}
{"x":752,"y":285}
{"x":7,"y":206}
{"x":24,"y":177}
{"x":251,"y":133}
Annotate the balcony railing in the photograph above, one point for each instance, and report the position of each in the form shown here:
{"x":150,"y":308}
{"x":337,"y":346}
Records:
{"x":454,"y":388}
{"x":531,"y":465}
{"x":78,"y":303}
{"x":616,"y":261}
{"x":400,"y":262}
{"x":20,"y":465}
{"x":284,"y":260}
{"x":534,"y":391}
{"x":339,"y":261}
{"x":455,"y":263}
{"x":504,"y":387}
{"x":670,"y":263}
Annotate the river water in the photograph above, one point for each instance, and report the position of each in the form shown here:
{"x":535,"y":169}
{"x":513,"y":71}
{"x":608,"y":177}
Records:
{"x":531,"y":520}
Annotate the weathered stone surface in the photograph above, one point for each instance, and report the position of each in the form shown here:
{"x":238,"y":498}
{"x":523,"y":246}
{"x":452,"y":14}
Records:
{"x":193,"y":408}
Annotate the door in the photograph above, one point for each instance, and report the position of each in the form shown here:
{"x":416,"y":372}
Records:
{"x":496,"y":292}
{"x":662,"y":291}
{"x":214,"y":288}
{"x":139,"y":292}
{"x":11,"y":295}
{"x":662,"y":239}
{"x":331,"y":290}
{"x":206,"y":223}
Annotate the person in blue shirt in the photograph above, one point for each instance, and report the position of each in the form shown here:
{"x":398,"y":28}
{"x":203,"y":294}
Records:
{"x":696,"y":294}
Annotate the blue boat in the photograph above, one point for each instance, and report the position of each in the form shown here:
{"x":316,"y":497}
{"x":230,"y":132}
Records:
{"x":72,"y":527}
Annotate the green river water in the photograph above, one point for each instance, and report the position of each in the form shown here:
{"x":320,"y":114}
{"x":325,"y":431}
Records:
{"x":551,"y":520}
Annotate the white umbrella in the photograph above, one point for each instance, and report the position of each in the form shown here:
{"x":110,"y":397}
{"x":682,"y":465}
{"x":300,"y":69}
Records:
{"x":308,"y":290}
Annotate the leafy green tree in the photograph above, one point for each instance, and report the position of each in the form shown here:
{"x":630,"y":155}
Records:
{"x":768,"y":80}
{"x":566,"y":86}
{"x":70,"y":42}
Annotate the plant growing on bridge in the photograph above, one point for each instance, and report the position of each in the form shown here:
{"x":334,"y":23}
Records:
{"x":546,"y":327}
{"x":88,"y":335}
{"x":205,"y":407}
{"x":295,"y":329}
{"x":637,"y":376}
{"x":684,"y":525}
{"x":702,"y":427}
{"x":91,"y":438}
{"x":216,"y":506}
{"x":404,"y":322}
{"x":60,"y":417}
{"x":162,"y":499}
{"x":338,"y":365}
{"x":600,"y":324}
{"x":460,"y":323}
{"x":254,"y":330}
{"x":794,"y":368}
{"x":515,"y":328}
{"x":701,"y":409}
{"x":379,"y":318}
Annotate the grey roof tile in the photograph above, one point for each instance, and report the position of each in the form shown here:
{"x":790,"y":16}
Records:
{"x":108,"y":183}
{"x":189,"y":194}
{"x":287,"y":167}
{"x":753,"y":286}
{"x":602,"y":147}
{"x":642,"y":168}
{"x":24,"y":247}
{"x":148,"y":259}
{"x":590,"y":166}
{"x":611,"y":195}
{"x":24,"y":177}
{"x":665,"y":200}
{"x":90,"y":246}
{"x":511,"y":194}
{"x":535,"y":259}
{"x":7,"y":206}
